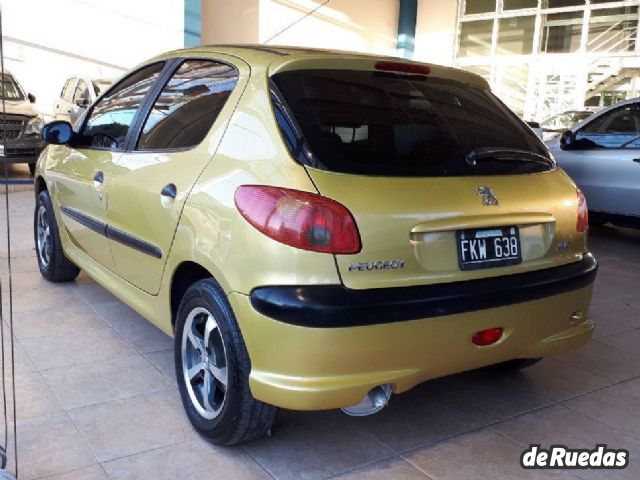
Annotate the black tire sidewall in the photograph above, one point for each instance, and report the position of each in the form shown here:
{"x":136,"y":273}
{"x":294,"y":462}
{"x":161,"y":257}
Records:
{"x":207,"y":294}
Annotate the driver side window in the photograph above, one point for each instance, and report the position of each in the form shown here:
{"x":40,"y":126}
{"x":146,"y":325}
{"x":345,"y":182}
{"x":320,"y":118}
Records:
{"x":109,"y":122}
{"x":619,"y":128}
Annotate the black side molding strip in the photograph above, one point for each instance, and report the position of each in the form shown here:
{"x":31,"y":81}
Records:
{"x":333,"y":306}
{"x":90,"y":223}
{"x":112,"y":233}
{"x":133,"y":242}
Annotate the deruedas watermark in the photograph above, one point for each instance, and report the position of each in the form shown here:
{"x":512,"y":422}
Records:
{"x":563,"y":457}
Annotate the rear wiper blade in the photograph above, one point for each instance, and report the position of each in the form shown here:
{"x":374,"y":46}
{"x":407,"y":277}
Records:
{"x":507,"y":154}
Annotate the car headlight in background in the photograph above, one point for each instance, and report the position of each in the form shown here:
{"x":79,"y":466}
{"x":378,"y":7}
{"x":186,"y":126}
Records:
{"x":34,"y":126}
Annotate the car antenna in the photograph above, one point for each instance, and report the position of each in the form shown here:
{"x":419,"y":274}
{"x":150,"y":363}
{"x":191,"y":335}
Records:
{"x":309,"y":13}
{"x":5,"y":474}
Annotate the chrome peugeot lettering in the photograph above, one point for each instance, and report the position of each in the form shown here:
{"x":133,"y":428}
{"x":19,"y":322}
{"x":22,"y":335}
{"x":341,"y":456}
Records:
{"x":488,"y":197}
{"x":377,"y":265}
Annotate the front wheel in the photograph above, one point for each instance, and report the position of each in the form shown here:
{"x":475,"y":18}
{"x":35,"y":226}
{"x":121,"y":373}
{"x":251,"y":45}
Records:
{"x":212,"y":368}
{"x":54,"y":266}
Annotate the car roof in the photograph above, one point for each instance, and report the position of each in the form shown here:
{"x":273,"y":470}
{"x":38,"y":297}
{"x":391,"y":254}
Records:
{"x":276,"y":57}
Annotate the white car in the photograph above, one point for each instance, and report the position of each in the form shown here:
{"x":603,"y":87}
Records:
{"x":76,"y":95}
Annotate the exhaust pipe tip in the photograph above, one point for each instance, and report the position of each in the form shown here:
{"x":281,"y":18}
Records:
{"x":375,"y":400}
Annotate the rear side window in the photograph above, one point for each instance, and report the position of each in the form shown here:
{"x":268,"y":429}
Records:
{"x":112,"y":116}
{"x":188,"y":105}
{"x":379,"y":123}
{"x":67,"y":91}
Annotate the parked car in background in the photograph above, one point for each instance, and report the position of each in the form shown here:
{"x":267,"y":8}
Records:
{"x":20,"y":125}
{"x":556,"y":124}
{"x":317,"y":229}
{"x":602,"y":155}
{"x":76,"y":95}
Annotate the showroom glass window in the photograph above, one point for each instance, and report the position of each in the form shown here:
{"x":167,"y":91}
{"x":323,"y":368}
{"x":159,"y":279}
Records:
{"x":619,"y":128}
{"x":188,"y":105}
{"x":111,"y":118}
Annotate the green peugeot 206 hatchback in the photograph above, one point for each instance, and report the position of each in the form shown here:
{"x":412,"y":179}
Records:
{"x":316,"y":229}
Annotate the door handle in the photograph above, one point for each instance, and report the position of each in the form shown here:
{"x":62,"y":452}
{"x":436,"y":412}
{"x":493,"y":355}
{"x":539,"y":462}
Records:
{"x":637,"y":160}
{"x":98,"y":177}
{"x":169,"y":190}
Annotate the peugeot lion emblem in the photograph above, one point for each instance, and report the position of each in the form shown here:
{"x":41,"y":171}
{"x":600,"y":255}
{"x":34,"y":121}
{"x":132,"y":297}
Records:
{"x":488,"y":197}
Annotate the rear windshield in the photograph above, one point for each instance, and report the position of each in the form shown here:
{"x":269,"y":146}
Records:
{"x":380,"y":123}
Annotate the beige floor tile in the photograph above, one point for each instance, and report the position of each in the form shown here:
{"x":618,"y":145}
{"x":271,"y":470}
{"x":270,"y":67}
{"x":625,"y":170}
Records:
{"x":90,"y":383}
{"x":144,"y":336}
{"x":52,"y":297}
{"x":628,"y":342}
{"x":559,"y":380}
{"x":93,"y":293}
{"x":134,"y":425}
{"x":559,"y":425}
{"x":76,"y":348}
{"x":49,"y":445}
{"x":47,"y":323}
{"x":617,"y":406}
{"x":164,"y":361}
{"x":94,"y":472}
{"x":475,"y":456}
{"x":602,"y":360}
{"x":393,"y":469}
{"x":311,"y":445}
{"x":33,"y":397}
{"x":196,"y":460}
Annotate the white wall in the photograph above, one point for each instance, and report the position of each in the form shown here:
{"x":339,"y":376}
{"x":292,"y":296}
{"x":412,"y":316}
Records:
{"x":47,"y":41}
{"x":365,"y":26}
{"x":435,"y":31}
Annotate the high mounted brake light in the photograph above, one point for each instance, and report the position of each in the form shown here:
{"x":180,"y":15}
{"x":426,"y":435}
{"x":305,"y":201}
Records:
{"x":403,"y":68}
{"x":299,"y":219}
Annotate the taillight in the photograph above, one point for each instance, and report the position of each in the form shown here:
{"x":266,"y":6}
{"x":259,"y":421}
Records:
{"x":583,"y":213}
{"x":299,"y":219}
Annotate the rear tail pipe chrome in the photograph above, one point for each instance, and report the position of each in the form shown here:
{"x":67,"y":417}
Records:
{"x":375,"y":400}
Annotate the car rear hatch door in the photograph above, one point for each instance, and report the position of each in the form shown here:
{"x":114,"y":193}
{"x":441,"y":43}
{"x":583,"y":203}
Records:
{"x":444,"y":182}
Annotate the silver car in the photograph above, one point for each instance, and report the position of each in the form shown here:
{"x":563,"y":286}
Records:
{"x":602,"y":155}
{"x":76,"y":95}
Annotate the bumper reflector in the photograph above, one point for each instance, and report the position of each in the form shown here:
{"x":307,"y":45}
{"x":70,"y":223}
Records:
{"x":487,"y":337}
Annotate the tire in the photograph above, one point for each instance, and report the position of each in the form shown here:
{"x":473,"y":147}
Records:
{"x":231,"y":414}
{"x":53,"y":264}
{"x":516,"y":364}
{"x":32,"y":169}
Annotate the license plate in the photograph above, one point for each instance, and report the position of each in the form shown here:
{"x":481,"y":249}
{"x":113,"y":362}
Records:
{"x":488,"y":248}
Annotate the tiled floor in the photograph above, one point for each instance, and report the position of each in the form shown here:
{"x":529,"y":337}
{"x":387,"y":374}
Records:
{"x":97,"y":396}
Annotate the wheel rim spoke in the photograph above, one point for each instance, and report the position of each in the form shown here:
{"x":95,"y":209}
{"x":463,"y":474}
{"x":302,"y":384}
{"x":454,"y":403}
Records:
{"x":219,"y":373}
{"x":43,"y":235}
{"x":206,"y":391}
{"x":195,"y":341}
{"x":195,"y":370}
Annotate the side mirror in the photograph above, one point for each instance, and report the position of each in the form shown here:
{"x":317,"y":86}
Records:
{"x":31,"y":97}
{"x":567,"y":140}
{"x":57,"y":133}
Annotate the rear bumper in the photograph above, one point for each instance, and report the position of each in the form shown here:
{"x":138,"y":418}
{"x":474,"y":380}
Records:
{"x":302,"y":368}
{"x":334,"y":306}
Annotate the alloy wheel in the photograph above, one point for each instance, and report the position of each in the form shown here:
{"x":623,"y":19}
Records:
{"x":43,"y":235}
{"x":204,"y":363}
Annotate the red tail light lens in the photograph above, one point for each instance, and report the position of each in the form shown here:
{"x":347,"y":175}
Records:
{"x":583,"y":213}
{"x":403,"y":67}
{"x":299,"y":219}
{"x":487,"y":337}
